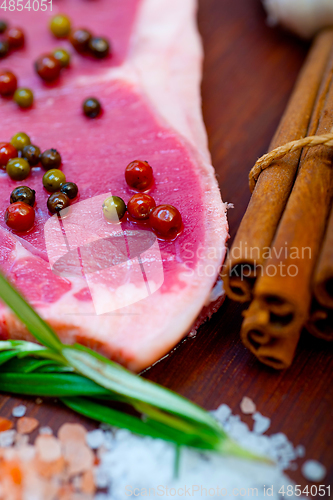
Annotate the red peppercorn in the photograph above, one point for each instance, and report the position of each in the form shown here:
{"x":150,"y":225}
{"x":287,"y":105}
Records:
{"x":166,"y":220}
{"x":8,"y":83}
{"x":140,"y":206}
{"x":19,"y":216}
{"x":15,"y":38}
{"x":139,"y":175}
{"x":7,"y":152}
{"x":48,"y":67}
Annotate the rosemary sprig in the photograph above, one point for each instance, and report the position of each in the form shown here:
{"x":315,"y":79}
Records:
{"x":88,"y":382}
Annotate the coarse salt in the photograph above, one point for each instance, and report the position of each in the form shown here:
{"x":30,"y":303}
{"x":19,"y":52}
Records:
{"x":95,"y":439}
{"x":313,"y":470}
{"x":261,"y":423}
{"x":7,"y":438}
{"x":19,"y":411}
{"x":247,"y":406}
{"x":46,"y":430}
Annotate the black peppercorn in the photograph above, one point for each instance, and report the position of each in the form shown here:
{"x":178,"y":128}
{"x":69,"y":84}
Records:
{"x":80,"y":40}
{"x":4,"y":48}
{"x":57,"y":201}
{"x":24,"y":194}
{"x":3,"y":26}
{"x":91,"y":107}
{"x":50,"y":159}
{"x":32,"y":154}
{"x":70,"y":189}
{"x":99,"y":47}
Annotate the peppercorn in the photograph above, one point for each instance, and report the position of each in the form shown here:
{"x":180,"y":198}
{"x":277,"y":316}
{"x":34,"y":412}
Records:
{"x":114,"y":208}
{"x":48,"y":67}
{"x":99,"y":47}
{"x":60,"y":26}
{"x":57,"y":202}
{"x":24,"y":194}
{"x":80,"y":39}
{"x":20,"y":217}
{"x":166,"y":220}
{"x":15,"y":38}
{"x":50,"y":159}
{"x":53,"y":180}
{"x":70,"y":189}
{"x":8,"y":83}
{"x":4,"y":49}
{"x":32,"y":154}
{"x":18,"y":169}
{"x":20,"y":140}
{"x":3,"y":26}
{"x":92,"y":107}
{"x":24,"y":97}
{"x":139,"y":175}
{"x":7,"y":152}
{"x":140,"y":206}
{"x":62,"y":56}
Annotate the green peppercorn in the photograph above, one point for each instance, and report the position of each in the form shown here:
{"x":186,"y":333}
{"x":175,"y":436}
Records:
{"x":62,"y":56}
{"x":3,"y":26}
{"x":70,"y":189}
{"x":57,"y":201}
{"x":60,"y":26}
{"x":114,"y":208}
{"x":50,"y":159}
{"x":24,"y":97}
{"x":18,"y":169}
{"x":91,"y":107}
{"x":23,"y":193}
{"x":4,"y":49}
{"x":32,"y":154}
{"x":99,"y":47}
{"x":20,"y":140}
{"x":53,"y":179}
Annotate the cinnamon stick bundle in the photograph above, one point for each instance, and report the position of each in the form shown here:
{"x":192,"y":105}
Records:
{"x":256,"y":232}
{"x":282,"y":295}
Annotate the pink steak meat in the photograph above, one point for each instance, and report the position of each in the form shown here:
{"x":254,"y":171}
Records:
{"x":114,"y":287}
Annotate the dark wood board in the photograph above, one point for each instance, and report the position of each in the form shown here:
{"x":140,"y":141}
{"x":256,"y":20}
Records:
{"x":249,"y":72}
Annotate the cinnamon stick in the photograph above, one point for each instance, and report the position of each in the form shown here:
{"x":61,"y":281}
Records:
{"x":272,"y":190}
{"x":323,"y":279}
{"x":282,"y":295}
{"x":320,"y":323}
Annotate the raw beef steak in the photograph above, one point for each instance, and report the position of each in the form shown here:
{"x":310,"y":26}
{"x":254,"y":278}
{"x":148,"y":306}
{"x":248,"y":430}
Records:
{"x":115,"y":287}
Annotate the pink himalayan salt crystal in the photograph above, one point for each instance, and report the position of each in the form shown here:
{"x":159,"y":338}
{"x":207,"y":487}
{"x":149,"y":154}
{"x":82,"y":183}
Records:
{"x":72,"y":432}
{"x":78,"y":456}
{"x":48,"y":448}
{"x":25,"y":425}
{"x":247,"y":406}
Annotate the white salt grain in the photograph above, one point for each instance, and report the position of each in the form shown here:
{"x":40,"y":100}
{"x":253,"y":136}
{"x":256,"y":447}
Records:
{"x":313,"y":470}
{"x":7,"y":438}
{"x":300,"y":451}
{"x":19,"y":411}
{"x":247,"y":406}
{"x":261,"y":423}
{"x":95,"y":439}
{"x":222,"y":413}
{"x":46,"y":430}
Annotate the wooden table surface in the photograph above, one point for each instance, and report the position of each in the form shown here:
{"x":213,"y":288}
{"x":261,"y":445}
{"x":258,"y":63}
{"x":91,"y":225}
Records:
{"x":249,"y":72}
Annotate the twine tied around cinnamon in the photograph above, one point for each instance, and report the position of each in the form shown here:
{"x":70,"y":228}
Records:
{"x":276,"y":154}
